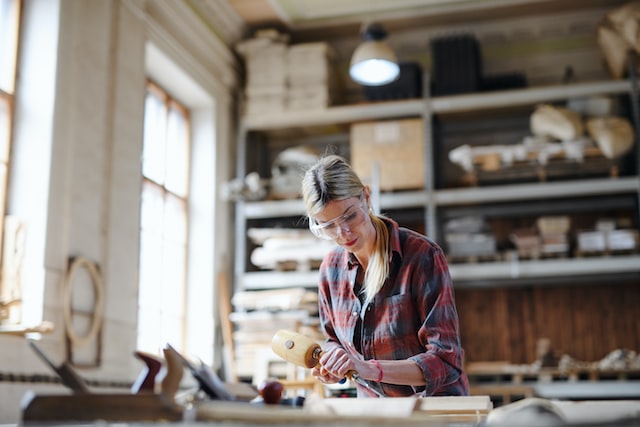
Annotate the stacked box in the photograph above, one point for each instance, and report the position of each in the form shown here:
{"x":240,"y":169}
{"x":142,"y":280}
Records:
{"x":623,"y":240}
{"x":266,"y":73}
{"x":527,"y":242}
{"x":554,"y":233}
{"x":310,"y":77}
{"x":592,"y":241}
{"x":469,"y":237}
{"x":394,"y":147}
{"x":471,"y":244}
{"x":281,"y":77}
{"x":603,"y":241}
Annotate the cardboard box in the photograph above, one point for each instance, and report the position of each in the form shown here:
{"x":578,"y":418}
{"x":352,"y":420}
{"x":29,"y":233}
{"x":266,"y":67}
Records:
{"x":592,"y":241}
{"x":622,"y":240}
{"x":395,"y":148}
{"x":268,"y":104}
{"x":470,"y":244}
{"x":309,"y":63}
{"x":309,"y":98}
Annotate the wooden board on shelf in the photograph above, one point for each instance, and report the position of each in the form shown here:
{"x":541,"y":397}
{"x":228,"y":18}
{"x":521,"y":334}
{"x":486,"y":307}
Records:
{"x":532,"y":171}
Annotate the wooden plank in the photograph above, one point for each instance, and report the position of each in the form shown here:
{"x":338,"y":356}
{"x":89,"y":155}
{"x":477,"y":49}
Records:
{"x":604,"y":332}
{"x":553,"y":309}
{"x":503,"y":328}
{"x":543,"y":316}
{"x":560,"y":307}
{"x":628,"y":328}
{"x":522,"y":343}
{"x":469,"y":407}
{"x":400,"y":411}
{"x":399,"y":407}
{"x":511,"y":336}
{"x":455,"y":404}
{"x":505,"y":323}
{"x":224,"y":296}
{"x":505,"y":392}
{"x":580,"y":324}
{"x":477,"y":314}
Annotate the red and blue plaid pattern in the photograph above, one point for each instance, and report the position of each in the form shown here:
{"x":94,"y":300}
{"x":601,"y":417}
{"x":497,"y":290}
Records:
{"x":412,"y":317}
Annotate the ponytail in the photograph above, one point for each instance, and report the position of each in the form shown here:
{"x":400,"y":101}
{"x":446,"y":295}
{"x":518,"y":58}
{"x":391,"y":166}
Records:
{"x":378,"y":268}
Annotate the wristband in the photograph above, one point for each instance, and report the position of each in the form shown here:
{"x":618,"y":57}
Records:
{"x":375,"y":362}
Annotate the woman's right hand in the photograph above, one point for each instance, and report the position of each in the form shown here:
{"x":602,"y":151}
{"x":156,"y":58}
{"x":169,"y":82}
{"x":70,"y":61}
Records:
{"x":324,"y":376}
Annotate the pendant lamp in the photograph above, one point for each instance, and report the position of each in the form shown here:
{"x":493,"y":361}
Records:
{"x":373,"y":62}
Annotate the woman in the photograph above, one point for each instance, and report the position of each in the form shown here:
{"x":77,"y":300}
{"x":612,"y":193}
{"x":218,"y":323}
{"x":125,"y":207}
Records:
{"x":385,"y":294}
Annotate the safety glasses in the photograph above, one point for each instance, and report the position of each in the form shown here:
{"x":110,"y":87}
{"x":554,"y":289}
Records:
{"x":351,"y":219}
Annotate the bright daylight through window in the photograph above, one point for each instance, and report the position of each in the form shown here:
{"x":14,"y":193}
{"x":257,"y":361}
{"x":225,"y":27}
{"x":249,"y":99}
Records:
{"x":10,"y":229}
{"x":163,"y":223}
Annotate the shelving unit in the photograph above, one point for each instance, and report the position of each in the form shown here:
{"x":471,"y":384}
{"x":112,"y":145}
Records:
{"x":431,"y":198}
{"x":436,"y":105}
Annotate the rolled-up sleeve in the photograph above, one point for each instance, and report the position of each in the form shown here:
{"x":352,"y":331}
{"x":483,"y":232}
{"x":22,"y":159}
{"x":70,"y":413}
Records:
{"x":441,"y":362}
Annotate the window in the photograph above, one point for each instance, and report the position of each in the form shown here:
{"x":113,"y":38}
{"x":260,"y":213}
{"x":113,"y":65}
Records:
{"x":10,"y":292}
{"x":163,"y":222}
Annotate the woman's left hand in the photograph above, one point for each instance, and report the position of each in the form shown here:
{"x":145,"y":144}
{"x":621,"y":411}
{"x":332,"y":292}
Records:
{"x":324,"y":376}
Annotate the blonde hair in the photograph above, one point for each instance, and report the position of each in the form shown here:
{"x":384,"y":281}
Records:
{"x":331,"y":178}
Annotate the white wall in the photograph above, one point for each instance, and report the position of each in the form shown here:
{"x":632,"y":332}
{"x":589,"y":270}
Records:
{"x":77,"y":177}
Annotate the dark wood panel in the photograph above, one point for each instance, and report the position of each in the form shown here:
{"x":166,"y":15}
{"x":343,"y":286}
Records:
{"x":584,"y":322}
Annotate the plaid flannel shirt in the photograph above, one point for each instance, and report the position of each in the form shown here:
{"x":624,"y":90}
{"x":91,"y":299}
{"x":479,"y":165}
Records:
{"x":412,"y":317}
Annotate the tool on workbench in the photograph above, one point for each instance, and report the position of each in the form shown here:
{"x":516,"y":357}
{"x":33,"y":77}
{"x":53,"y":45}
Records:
{"x":170,"y":384}
{"x":65,"y":371}
{"x":303,"y":351}
{"x":146,"y":381}
{"x":208,"y":380}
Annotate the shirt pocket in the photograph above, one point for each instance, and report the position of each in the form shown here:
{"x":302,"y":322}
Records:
{"x":396,"y":315}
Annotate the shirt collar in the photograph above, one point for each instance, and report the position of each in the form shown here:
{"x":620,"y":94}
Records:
{"x":352,"y":261}
{"x":394,"y":244}
{"x":394,"y":239}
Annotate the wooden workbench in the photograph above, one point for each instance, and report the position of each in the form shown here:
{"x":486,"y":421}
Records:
{"x":467,"y":410}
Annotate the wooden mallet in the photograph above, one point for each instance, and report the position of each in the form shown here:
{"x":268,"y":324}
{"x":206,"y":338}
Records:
{"x":296,"y":348}
{"x":303,"y":351}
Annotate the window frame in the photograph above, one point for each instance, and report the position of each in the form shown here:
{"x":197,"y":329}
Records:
{"x":10,"y":292}
{"x":170,"y":104}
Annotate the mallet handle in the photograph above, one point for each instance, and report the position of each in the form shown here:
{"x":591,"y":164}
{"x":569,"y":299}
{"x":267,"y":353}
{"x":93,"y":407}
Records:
{"x":303,"y":351}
